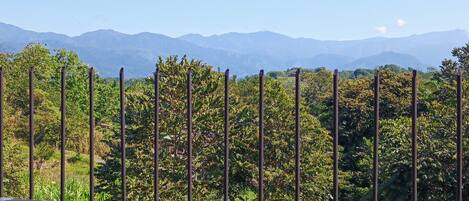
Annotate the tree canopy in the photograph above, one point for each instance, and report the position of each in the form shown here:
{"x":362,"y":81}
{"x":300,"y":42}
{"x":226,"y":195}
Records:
{"x":436,"y":130}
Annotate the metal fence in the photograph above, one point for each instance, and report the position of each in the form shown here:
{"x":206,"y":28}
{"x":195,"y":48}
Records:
{"x":226,"y":191}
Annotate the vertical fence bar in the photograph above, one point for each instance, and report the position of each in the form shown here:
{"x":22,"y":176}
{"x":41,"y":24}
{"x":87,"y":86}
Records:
{"x":1,"y":132}
{"x":31,"y":134}
{"x":91,"y":118}
{"x":459,"y":141}
{"x":226,"y":137}
{"x":122,"y":134}
{"x":189,"y":135}
{"x":156,"y":135}
{"x":62,"y":134}
{"x":414,"y":135}
{"x":261,"y":137}
{"x":376,"y":137}
{"x":335,"y":136}
{"x":297,"y":135}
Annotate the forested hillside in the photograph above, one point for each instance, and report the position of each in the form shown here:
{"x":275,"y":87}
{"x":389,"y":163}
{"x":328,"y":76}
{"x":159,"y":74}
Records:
{"x":436,"y":131}
{"x":108,"y":50}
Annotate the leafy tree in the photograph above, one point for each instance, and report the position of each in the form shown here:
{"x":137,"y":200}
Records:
{"x":316,"y":90}
{"x":207,"y":121}
{"x":356,"y":127}
{"x":208,"y":140}
{"x":436,"y":154}
{"x":47,"y":66}
{"x":279,"y":138}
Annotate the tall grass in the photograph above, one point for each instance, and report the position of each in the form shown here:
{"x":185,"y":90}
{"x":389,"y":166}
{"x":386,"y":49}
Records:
{"x":74,"y":190}
{"x":47,"y":179}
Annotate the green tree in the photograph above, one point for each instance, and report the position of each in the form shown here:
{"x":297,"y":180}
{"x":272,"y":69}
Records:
{"x":207,"y":121}
{"x":208,"y":140}
{"x":356,"y":127}
{"x":279,"y":144}
{"x":47,"y":66}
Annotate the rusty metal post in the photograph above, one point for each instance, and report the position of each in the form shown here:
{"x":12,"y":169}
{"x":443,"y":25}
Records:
{"x":414,"y":135}
{"x":459,"y":138}
{"x":156,"y":134}
{"x":297,"y":135}
{"x":189,"y":135}
{"x":226,"y":137}
{"x":31,"y":133}
{"x":261,"y":137}
{"x":91,"y":124}
{"x":376,"y":138}
{"x":1,"y":132}
{"x":62,"y":134}
{"x":122,"y":133}
{"x":335,"y":136}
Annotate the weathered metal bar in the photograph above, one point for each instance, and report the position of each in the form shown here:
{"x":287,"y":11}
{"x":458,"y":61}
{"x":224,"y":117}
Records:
{"x":459,"y":142}
{"x":297,"y":135}
{"x":156,"y":135}
{"x":92,"y":124}
{"x":414,"y":135}
{"x":31,"y":133}
{"x":62,"y":134}
{"x":376,"y":137}
{"x":261,"y":137}
{"x":226,"y":137}
{"x":189,"y":135}
{"x":1,"y":132}
{"x":335,"y":136}
{"x":122,"y":134}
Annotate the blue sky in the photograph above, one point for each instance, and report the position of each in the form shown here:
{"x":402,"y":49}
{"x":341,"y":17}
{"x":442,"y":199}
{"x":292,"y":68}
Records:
{"x":321,"y":19}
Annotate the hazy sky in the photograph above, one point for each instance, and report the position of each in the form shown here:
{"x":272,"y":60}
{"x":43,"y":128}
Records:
{"x":321,"y":19}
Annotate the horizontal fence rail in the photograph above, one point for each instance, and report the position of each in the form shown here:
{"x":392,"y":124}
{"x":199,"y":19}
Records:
{"x":226,"y":134}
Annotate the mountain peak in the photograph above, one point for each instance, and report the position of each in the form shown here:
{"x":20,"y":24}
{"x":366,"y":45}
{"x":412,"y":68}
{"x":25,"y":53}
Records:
{"x":459,"y":34}
{"x":258,"y":34}
{"x":103,"y":33}
{"x":108,"y":49}
{"x":7,"y":26}
{"x":191,"y":35}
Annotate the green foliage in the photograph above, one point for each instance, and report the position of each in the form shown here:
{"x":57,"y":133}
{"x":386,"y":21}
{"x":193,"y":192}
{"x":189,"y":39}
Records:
{"x":75,"y":190}
{"x":279,"y":138}
{"x":44,"y":152}
{"x":13,"y":166}
{"x":316,"y":87}
{"x":436,"y":131}
{"x":47,"y":66}
{"x":436,"y":156}
{"x":206,"y":112}
{"x":207,"y":121}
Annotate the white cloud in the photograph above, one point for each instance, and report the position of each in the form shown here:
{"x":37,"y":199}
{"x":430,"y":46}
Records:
{"x":382,"y":29}
{"x":400,"y":22}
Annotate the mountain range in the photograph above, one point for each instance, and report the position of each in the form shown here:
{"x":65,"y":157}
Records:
{"x":243,"y":53}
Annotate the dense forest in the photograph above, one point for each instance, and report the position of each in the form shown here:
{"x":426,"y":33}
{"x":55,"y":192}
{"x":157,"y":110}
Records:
{"x":436,"y":131}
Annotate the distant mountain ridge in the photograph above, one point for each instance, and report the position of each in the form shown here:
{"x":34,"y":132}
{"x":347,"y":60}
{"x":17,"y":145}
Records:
{"x":243,"y":53}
